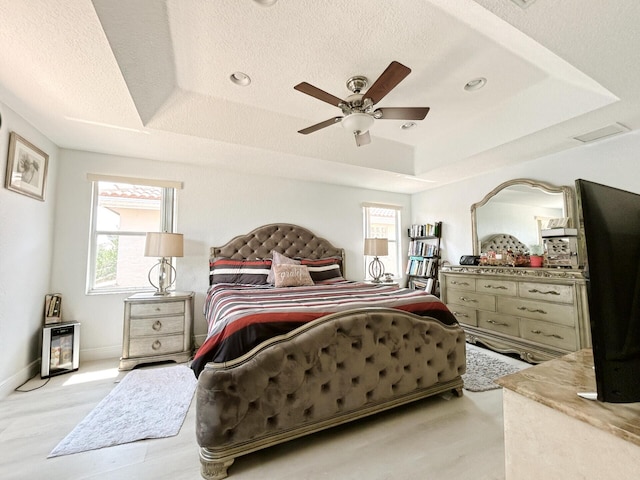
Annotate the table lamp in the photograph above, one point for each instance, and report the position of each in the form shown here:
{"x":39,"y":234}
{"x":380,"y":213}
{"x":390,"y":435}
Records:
{"x":376,"y":247}
{"x":164,"y":246}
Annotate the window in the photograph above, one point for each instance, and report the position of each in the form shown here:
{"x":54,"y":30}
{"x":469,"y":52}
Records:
{"x":383,"y":221}
{"x":123,"y":211}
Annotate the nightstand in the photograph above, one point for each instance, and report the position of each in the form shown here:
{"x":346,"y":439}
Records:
{"x":157,"y":328}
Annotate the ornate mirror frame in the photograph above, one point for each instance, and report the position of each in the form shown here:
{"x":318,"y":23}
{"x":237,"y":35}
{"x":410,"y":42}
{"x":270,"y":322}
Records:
{"x":568,"y":197}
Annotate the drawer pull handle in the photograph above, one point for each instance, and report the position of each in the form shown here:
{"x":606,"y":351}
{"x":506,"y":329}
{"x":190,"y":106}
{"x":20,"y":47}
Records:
{"x":157,"y":325}
{"x":460,"y":314}
{"x":554,"y":335}
{"x":502,"y":324}
{"x":465,"y":299}
{"x":532,"y":310}
{"x":459,"y":283}
{"x":549,"y":292}
{"x":156,"y":345}
{"x":499,"y":287}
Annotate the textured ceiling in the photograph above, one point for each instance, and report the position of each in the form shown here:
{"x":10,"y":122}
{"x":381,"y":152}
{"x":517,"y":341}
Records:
{"x":151,"y":79}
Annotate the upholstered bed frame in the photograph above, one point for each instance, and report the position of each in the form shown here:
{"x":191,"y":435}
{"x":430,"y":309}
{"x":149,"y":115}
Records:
{"x":502,"y":242}
{"x":335,"y":369}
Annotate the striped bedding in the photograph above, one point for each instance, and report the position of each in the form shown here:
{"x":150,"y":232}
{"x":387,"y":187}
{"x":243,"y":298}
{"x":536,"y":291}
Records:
{"x":242,"y":316}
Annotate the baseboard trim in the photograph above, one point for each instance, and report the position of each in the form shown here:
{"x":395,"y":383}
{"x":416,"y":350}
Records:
{"x":17,"y":379}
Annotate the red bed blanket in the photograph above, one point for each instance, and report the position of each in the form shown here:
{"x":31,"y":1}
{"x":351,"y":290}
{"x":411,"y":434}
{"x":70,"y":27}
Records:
{"x":240,"y":316}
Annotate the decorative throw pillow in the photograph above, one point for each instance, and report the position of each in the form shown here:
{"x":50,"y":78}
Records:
{"x":287,"y":275}
{"x":246,"y":272}
{"x":279,"y":259}
{"x":325,"y":270}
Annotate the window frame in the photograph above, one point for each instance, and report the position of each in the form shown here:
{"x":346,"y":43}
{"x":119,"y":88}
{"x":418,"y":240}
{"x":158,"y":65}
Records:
{"x":167,"y":224}
{"x":394,"y":245}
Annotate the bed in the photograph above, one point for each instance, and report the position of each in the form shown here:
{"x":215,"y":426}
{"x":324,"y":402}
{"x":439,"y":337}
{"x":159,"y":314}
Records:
{"x":285,"y":361}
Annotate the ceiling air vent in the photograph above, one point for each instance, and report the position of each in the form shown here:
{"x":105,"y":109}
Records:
{"x":604,"y":132}
{"x":523,"y":3}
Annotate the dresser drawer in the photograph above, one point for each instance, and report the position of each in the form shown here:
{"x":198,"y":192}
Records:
{"x":460,"y":283}
{"x":156,"y":308}
{"x":547,"y":291}
{"x":550,"y":334}
{"x":141,"y":327}
{"x":497,"y":287}
{"x":471,"y":299}
{"x":465,"y":315}
{"x":499,"y":323}
{"x":149,"y":346}
{"x":550,"y":312}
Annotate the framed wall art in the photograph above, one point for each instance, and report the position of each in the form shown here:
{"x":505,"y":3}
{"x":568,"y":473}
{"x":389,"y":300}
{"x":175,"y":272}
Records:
{"x":26,"y":168}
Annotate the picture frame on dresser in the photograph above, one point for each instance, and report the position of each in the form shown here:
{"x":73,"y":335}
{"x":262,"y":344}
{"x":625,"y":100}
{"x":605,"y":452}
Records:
{"x":27,"y":167}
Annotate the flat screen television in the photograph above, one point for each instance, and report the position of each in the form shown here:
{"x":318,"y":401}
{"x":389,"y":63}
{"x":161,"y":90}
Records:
{"x":611,"y":221}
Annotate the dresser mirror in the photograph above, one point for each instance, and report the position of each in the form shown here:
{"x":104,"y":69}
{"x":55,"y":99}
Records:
{"x":520,"y":208}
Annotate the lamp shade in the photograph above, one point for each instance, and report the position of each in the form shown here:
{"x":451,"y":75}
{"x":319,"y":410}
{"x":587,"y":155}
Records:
{"x":162,"y":244}
{"x":376,"y":247}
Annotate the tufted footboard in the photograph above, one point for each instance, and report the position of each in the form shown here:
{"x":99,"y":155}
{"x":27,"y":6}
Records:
{"x":330,"y":371}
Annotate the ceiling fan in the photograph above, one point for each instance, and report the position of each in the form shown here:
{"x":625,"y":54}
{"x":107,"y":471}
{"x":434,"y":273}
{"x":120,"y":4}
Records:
{"x":358,"y":112}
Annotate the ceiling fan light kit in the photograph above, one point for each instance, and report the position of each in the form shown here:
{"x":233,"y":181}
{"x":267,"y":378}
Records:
{"x":358,"y":110}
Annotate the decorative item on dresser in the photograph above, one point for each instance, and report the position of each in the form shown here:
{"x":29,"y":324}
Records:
{"x":157,"y":329}
{"x":424,"y":257}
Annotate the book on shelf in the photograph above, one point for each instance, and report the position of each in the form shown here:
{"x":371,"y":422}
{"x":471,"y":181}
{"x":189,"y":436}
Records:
{"x":425,"y":230}
{"x":422,"y":249}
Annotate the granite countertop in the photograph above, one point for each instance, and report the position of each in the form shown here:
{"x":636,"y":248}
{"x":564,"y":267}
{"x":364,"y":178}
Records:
{"x":556,"y":383}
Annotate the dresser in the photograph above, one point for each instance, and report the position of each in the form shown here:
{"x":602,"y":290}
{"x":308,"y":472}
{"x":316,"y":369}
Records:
{"x":157,"y":328}
{"x":537,"y":313}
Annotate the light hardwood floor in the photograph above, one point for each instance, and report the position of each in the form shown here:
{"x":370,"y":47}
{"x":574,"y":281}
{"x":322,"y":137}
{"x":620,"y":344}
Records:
{"x":437,"y":438}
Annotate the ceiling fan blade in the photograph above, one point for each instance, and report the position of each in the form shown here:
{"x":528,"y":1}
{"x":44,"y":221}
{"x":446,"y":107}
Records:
{"x":392,"y":76}
{"x":315,"y":92}
{"x":403,"y":113}
{"x":320,"y":125}
{"x":363,"y":139}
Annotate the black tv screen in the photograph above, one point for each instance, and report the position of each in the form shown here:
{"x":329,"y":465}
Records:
{"x":611,"y":221}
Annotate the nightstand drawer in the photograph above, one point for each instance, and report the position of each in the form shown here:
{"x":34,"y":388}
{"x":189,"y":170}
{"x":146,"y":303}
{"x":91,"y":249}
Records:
{"x":156,"y":308}
{"x":141,"y":327}
{"x":143,"y":347}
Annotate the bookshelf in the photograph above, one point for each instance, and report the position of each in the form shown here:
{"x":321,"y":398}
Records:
{"x":424,"y":257}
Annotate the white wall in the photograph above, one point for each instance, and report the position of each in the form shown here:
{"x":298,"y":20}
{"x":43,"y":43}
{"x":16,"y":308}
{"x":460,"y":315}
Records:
{"x":213,"y":207}
{"x":26,"y":242}
{"x":613,"y":162}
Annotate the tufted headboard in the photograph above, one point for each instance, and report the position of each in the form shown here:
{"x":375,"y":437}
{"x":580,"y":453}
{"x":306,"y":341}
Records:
{"x":290,"y":240}
{"x":503,"y":241}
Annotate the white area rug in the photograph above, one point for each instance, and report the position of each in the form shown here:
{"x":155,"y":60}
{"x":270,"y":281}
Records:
{"x":483,"y":368}
{"x":148,"y":403}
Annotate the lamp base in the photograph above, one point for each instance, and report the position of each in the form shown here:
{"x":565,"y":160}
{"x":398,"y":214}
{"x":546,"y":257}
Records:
{"x":376,"y":270}
{"x":166,"y":276}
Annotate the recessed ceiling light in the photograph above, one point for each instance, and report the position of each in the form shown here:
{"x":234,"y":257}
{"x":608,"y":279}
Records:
{"x":408,"y":125}
{"x":240,"y":78}
{"x":265,"y":3}
{"x":475,"y":84}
